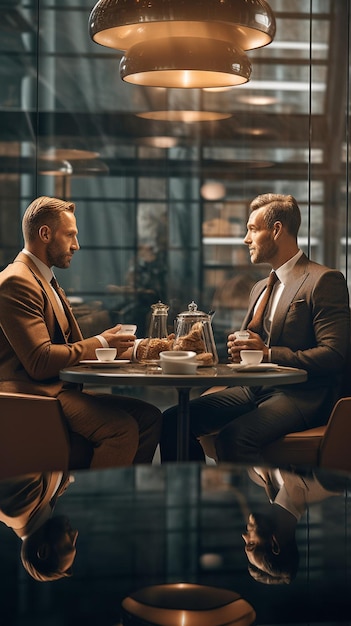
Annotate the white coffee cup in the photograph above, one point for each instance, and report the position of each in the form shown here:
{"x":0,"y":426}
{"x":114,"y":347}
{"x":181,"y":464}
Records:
{"x":178,"y":362}
{"x":251,"y":357}
{"x":106,"y":354}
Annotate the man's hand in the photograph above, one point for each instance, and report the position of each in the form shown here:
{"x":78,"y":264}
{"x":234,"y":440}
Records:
{"x":254,"y":342}
{"x":123,"y":342}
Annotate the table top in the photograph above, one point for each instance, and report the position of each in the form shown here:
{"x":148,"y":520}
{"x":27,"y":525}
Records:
{"x":148,"y":525}
{"x":136,"y":374}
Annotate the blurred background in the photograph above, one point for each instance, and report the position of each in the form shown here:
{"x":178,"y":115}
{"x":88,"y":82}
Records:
{"x":162,"y":204}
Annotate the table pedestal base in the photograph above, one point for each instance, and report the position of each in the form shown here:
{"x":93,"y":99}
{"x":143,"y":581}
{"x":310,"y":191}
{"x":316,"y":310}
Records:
{"x":183,"y":424}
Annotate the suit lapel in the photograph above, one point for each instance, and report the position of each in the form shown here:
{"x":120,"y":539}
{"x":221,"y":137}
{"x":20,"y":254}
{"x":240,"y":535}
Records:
{"x":299,"y":275}
{"x":44,"y":285}
{"x":257,"y":290}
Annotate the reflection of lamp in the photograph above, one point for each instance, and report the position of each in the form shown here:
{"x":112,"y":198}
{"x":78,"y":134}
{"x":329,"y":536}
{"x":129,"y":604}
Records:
{"x":78,"y":167}
{"x":71,"y":162}
{"x":178,"y":43}
{"x":55,"y":167}
{"x":89,"y":167}
{"x":159,"y":141}
{"x":257,"y":100}
{"x":187,"y":116}
{"x":68,"y":154}
{"x":187,"y":604}
{"x":213,"y":190}
{"x":255,"y":131}
{"x":67,"y":163}
{"x":184,"y":106}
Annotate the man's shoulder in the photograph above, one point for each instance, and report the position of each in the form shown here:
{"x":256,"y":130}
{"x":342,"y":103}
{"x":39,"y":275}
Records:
{"x":316,"y":268}
{"x":19,"y":277}
{"x":20,"y":266}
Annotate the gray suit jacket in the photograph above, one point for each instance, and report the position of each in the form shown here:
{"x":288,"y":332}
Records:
{"x":311,"y":330}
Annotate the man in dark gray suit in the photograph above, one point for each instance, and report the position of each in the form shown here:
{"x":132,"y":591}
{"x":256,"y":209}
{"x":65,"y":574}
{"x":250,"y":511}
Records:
{"x":306,"y":325}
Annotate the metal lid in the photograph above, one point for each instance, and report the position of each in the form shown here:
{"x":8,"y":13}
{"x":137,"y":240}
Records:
{"x":193,"y":313}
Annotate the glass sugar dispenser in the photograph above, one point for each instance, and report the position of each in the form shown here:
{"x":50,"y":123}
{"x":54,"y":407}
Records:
{"x":193,"y":331}
{"x":157,"y":340}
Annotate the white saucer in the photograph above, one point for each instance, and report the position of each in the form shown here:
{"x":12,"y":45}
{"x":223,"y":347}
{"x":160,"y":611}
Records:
{"x":252,"y":368}
{"x":96,"y":363}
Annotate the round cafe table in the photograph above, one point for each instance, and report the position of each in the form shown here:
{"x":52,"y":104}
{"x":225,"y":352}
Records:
{"x":138,"y":375}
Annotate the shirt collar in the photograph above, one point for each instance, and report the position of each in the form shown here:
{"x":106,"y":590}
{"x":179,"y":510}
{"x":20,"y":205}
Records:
{"x":44,"y":269}
{"x":283,"y":272}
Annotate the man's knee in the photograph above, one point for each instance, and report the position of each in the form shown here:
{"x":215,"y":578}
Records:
{"x":152,"y":413}
{"x":233,"y":445}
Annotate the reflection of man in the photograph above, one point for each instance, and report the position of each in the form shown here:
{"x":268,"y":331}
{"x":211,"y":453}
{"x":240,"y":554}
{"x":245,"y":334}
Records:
{"x":48,"y":543}
{"x":306,"y":325}
{"x":270,"y":542}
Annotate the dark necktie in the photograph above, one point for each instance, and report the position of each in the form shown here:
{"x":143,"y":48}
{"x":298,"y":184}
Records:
{"x":61,"y":294}
{"x":68,"y":320}
{"x":73,"y":331}
{"x":270,"y":489}
{"x":256,"y":324}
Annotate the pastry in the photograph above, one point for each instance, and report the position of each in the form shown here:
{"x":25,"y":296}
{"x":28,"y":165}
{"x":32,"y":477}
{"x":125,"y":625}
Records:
{"x":194,"y":341}
{"x":149,"y":349}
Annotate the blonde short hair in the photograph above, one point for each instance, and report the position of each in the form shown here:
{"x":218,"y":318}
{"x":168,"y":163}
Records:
{"x":279,"y":207}
{"x":43,"y":210}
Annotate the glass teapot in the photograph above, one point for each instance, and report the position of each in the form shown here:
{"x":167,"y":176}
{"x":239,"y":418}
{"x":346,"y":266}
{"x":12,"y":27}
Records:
{"x":193,"y":331}
{"x":157,"y":340}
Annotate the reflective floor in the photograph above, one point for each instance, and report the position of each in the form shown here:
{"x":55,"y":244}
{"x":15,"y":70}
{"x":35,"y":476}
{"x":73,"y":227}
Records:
{"x":184,"y":523}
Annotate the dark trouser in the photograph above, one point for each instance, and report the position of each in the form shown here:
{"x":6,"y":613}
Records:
{"x":246,"y":419}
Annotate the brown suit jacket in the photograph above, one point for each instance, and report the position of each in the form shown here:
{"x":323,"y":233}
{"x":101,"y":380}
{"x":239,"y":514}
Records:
{"x":311,"y":330}
{"x":23,"y":498}
{"x":33,"y":343}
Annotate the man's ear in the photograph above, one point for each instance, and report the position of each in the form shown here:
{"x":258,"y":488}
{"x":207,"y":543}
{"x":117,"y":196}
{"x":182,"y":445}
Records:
{"x":68,"y":572}
{"x":43,"y":551}
{"x":277,"y":229}
{"x":45,"y":233}
{"x":275,"y":545}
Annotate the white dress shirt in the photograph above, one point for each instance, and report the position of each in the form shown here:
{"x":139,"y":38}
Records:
{"x":48,"y":275}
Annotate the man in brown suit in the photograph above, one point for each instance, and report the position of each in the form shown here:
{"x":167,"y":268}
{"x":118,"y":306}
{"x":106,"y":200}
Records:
{"x":39,"y":336}
{"x":27,"y":505}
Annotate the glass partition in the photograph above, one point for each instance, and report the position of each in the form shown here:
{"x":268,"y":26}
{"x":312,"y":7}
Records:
{"x":162,"y":178}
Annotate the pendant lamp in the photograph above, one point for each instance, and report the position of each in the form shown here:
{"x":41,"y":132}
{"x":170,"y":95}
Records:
{"x":185,"y":62}
{"x":183,"y":43}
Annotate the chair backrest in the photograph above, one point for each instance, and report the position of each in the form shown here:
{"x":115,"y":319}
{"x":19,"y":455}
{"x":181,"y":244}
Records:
{"x":335,"y":448}
{"x":33,"y":437}
{"x":346,"y":377}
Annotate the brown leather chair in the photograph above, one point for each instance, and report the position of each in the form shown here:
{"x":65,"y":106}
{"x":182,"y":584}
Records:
{"x":325,"y":446}
{"x":35,"y":438}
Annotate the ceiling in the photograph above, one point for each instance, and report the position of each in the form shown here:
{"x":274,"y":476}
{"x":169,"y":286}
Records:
{"x":287,"y":123}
